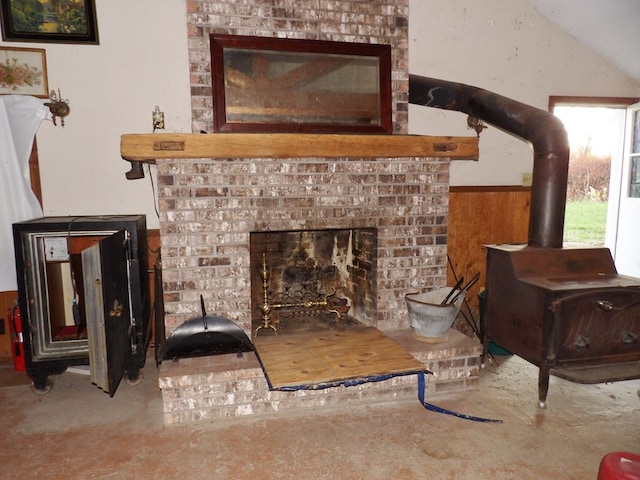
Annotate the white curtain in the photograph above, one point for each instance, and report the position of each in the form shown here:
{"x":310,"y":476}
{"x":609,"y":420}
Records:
{"x":20,"y":117}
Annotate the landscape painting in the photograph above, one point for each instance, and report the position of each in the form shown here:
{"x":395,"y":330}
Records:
{"x":54,"y":21}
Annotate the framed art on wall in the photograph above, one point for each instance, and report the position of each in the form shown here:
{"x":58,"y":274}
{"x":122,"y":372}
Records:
{"x":23,"y":71}
{"x":265,"y":84}
{"x":61,"y":21}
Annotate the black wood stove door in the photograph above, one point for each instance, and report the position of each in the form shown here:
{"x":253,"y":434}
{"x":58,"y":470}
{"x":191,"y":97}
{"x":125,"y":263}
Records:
{"x":106,"y":281}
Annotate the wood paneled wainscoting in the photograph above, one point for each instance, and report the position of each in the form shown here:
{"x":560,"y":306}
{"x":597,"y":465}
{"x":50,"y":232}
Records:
{"x":479,"y":216}
{"x":7,"y":300}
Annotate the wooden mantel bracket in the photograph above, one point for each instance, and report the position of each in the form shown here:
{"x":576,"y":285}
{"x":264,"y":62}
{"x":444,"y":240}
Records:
{"x":148,"y":148}
{"x":136,"y":171}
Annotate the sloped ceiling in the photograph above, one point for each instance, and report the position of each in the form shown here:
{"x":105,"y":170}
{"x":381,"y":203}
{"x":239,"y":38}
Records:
{"x":609,"y":27}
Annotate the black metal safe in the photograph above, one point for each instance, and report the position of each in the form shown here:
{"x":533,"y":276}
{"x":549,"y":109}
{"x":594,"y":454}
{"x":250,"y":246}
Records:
{"x":84,"y":297}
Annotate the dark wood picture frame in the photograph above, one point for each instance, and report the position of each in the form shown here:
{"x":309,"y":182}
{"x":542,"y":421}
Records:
{"x":264,"y":84}
{"x":37,"y":21}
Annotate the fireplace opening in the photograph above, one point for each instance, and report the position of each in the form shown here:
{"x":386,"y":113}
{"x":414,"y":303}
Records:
{"x":311,"y":280}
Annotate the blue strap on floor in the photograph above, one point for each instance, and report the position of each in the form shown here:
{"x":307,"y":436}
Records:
{"x":433,"y":408}
{"x":358,"y":381}
{"x":338,"y":383}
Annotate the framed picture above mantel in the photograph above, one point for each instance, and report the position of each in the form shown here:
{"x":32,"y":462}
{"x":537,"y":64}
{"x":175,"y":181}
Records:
{"x":49,"y":21}
{"x":264,"y":84}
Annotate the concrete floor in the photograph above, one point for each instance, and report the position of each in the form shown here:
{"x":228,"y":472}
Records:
{"x":78,"y":432}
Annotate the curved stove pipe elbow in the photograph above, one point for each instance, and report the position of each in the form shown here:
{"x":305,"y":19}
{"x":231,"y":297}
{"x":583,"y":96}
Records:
{"x":544,"y":131}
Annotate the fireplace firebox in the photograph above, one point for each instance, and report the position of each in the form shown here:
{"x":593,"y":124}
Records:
{"x":326,"y":274}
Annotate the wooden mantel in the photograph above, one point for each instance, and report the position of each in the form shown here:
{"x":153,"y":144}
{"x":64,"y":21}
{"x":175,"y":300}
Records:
{"x":156,"y":146}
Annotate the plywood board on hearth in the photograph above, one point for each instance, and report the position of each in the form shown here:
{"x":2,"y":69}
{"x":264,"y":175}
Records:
{"x":317,"y":358}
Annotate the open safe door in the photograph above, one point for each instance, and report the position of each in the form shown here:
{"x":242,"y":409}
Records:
{"x":108,"y":309}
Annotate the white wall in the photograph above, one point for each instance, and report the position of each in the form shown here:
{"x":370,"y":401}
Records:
{"x":112,"y":88}
{"x":506,"y":47}
{"x":501,"y":45}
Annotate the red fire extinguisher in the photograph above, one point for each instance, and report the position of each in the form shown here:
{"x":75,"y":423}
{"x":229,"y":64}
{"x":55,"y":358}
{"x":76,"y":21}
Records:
{"x":17,"y":344}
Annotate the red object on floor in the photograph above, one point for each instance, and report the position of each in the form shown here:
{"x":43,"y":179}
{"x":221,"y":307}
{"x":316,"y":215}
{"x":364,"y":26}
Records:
{"x":619,"y":466}
{"x":17,"y":347}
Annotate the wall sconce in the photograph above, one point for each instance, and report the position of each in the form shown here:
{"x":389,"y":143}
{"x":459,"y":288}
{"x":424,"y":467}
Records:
{"x":58,"y":107}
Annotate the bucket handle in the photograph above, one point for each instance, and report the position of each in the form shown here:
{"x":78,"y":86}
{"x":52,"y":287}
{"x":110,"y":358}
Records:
{"x":204,"y":314}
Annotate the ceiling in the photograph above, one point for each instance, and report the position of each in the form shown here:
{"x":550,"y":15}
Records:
{"x":609,"y":27}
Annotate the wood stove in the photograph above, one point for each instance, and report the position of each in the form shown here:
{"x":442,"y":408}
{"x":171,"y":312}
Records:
{"x":565,"y":310}
{"x":83,"y":296}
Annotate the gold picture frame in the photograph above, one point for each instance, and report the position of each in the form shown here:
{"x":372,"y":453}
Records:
{"x":23,"y":71}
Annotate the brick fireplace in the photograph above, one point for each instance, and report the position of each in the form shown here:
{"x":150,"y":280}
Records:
{"x":211,"y":207}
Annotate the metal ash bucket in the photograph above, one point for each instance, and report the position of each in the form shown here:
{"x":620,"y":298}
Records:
{"x":430,"y":320}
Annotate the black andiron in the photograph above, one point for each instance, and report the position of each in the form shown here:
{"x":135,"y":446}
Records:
{"x":328,"y":303}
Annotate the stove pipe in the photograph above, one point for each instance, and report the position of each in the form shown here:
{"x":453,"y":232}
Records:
{"x":543,"y":130}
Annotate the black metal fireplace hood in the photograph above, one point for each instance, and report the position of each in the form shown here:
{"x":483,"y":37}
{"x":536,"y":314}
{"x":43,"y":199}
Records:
{"x":543,"y":130}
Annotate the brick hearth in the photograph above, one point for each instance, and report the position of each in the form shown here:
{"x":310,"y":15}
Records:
{"x":223,"y":386}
